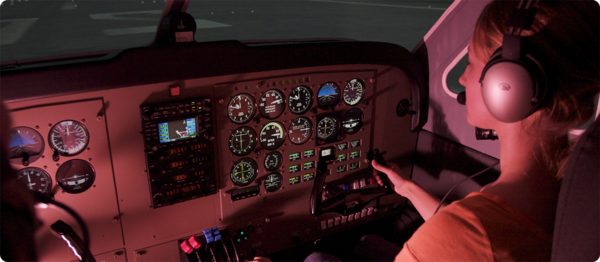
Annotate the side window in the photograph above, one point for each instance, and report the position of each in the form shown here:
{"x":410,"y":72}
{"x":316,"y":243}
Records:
{"x":453,"y":73}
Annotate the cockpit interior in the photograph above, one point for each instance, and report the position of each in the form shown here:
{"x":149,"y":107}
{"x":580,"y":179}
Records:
{"x":229,"y":147}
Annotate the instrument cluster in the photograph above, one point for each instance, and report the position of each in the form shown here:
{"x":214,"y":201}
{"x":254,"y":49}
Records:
{"x":66,"y":138}
{"x":276,"y":127}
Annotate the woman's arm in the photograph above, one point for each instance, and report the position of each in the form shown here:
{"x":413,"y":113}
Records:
{"x":425,"y":203}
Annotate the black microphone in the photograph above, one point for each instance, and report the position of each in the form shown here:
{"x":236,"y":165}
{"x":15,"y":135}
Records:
{"x":461,"y":98}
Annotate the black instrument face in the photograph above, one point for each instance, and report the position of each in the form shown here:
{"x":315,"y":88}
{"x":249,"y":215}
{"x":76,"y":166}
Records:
{"x":241,"y":108}
{"x":243,"y":140}
{"x":328,"y":127}
{"x":273,"y":160}
{"x":273,"y":182}
{"x":271,"y":104}
{"x":352,"y":121}
{"x":244,"y":171}
{"x":300,"y":100}
{"x":329,"y":95}
{"x":36,"y":179}
{"x":25,"y":145}
{"x":300,"y":130}
{"x":75,"y":176}
{"x":272,"y":135}
{"x":68,"y":138}
{"x":354,"y":91}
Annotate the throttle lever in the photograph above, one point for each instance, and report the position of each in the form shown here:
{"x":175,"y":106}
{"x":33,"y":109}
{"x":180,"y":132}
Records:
{"x":375,"y":155}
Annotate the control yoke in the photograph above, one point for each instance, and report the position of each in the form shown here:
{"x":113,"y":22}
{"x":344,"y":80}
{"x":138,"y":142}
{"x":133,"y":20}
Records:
{"x":327,"y":197}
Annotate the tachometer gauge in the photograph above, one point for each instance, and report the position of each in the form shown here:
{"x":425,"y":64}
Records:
{"x":36,"y":179}
{"x":354,"y":91}
{"x":271,"y":104}
{"x":244,"y":171}
{"x":68,"y":138}
{"x":75,"y":176}
{"x":273,"y":182}
{"x":272,"y":135}
{"x":329,"y":95}
{"x":241,"y":108}
{"x":352,"y":121}
{"x":328,"y":127}
{"x":243,"y":140}
{"x":25,"y":145}
{"x":273,"y":161}
{"x":300,"y":130}
{"x":300,"y":100}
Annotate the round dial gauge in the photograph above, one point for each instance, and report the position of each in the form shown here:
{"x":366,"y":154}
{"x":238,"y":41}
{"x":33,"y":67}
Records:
{"x":242,"y":141}
{"x":244,"y":171}
{"x":75,"y":176}
{"x":36,"y":179}
{"x":25,"y":145}
{"x":352,"y":121}
{"x":271,"y":104}
{"x":329,"y":95}
{"x":328,"y":127}
{"x":273,"y":160}
{"x":273,"y":182}
{"x":68,"y":138}
{"x":241,"y":108}
{"x":272,"y":135}
{"x":300,"y":130}
{"x":354,"y":91}
{"x":300,"y":100}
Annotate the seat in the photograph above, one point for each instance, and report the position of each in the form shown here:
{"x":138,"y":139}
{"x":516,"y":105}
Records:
{"x":577,"y":224}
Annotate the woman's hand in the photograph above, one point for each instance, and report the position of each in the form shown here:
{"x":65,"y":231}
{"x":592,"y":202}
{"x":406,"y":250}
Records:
{"x":397,"y":177}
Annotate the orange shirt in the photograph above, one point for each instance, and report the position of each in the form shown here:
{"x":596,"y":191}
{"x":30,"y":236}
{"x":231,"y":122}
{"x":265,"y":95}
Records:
{"x":481,"y":227}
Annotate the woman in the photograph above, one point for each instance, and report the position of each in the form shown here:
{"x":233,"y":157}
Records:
{"x":513,"y":217}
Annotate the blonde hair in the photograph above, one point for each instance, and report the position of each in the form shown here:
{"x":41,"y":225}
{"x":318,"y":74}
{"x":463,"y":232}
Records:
{"x":564,"y":39}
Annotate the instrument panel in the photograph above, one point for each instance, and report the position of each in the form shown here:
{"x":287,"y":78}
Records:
{"x":255,"y":144}
{"x":275,"y":127}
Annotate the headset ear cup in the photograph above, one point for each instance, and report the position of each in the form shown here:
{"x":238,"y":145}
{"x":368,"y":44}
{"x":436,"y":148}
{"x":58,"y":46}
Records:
{"x":512,"y":89}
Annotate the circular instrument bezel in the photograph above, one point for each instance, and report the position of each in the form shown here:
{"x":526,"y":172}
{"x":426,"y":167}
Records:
{"x":264,"y":136}
{"x":243,"y":181}
{"x":17,"y":150}
{"x":273,"y":155}
{"x":350,"y":95}
{"x":40,"y":176}
{"x":71,"y":171}
{"x":56,"y":133}
{"x":245,"y":111}
{"x":305,"y":99}
{"x":296,"y":135}
{"x":273,"y":185}
{"x":237,"y":146}
{"x":352,"y":113}
{"x":326,"y":99}
{"x":324,"y":123}
{"x":265,"y":106}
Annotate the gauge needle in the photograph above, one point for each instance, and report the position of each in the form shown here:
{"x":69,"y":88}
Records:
{"x":294,"y":97}
{"x":278,"y":101}
{"x":236,"y":107}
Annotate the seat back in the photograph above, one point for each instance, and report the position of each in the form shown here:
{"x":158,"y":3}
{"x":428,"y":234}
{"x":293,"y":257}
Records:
{"x":577,"y":224}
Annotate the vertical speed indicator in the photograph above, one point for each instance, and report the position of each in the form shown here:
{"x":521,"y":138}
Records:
{"x":300,"y":130}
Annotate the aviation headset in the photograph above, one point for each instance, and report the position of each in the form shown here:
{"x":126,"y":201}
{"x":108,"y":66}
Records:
{"x":513,"y":82}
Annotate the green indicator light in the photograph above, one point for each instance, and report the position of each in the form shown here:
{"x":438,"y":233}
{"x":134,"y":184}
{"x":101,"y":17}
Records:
{"x":245,"y":238}
{"x":242,"y":233}
{"x":287,"y":82}
{"x":293,"y":81}
{"x":281,"y":82}
{"x":300,"y":81}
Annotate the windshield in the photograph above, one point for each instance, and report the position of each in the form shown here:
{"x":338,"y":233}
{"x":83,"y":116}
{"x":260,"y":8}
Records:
{"x":33,"y":29}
